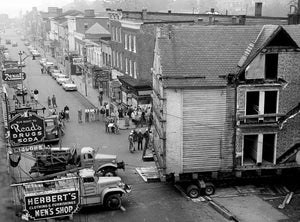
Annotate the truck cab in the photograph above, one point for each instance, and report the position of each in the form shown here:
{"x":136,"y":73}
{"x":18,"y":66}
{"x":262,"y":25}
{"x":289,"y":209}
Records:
{"x":51,"y":129}
{"x":101,"y":190}
{"x":104,"y":164}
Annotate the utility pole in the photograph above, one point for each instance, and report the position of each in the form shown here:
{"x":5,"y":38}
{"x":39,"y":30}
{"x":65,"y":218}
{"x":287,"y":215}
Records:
{"x":23,"y":96}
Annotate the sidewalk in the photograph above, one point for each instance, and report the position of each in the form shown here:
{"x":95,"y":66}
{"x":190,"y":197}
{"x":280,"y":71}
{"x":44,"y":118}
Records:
{"x":89,"y":93}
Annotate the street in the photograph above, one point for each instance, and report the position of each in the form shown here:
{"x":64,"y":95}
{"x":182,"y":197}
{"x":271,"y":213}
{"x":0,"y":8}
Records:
{"x":147,"y":201}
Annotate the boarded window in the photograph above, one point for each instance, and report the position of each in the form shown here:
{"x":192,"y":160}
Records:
{"x":271,"y":66}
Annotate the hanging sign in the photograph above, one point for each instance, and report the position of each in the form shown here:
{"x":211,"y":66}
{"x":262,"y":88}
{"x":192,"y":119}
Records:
{"x":52,"y":205}
{"x":26,"y":129}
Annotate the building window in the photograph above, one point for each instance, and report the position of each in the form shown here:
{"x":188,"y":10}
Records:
{"x":126,"y":65}
{"x":134,"y":43}
{"x":261,"y":103}
{"x":120,"y":35}
{"x":117,"y":59}
{"x":86,"y":25}
{"x":129,"y":41}
{"x":271,"y":66}
{"x":259,"y":148}
{"x":126,"y":42}
{"x":134,"y":70}
{"x":130,"y":68}
{"x":121,"y":61}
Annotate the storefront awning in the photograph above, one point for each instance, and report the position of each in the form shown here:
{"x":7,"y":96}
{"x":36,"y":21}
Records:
{"x":135,"y":83}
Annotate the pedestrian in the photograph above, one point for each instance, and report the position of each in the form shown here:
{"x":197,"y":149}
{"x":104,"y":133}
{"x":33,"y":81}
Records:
{"x":54,"y":101}
{"x":140,"y":140}
{"x":107,"y":109}
{"x":100,"y":98}
{"x":61,"y":117}
{"x":131,"y":142}
{"x":106,"y":125}
{"x":49,"y":102}
{"x":42,"y":70}
{"x":67,"y":112}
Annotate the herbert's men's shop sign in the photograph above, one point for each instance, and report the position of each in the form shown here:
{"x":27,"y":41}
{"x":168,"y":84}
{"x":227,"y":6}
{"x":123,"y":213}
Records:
{"x":26,"y":129}
{"x":52,"y":205}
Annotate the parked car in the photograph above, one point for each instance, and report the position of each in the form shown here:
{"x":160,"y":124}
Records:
{"x":14,"y":44}
{"x":54,"y":73}
{"x":69,"y":86}
{"x":35,"y":53}
{"x":26,"y":43}
{"x":61,"y":80}
{"x":42,"y":61}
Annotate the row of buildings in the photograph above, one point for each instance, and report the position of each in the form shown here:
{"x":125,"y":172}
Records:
{"x":224,"y":89}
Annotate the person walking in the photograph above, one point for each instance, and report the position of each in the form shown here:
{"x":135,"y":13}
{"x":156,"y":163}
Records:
{"x":131,"y":142}
{"x":106,"y":125}
{"x":42,"y":70}
{"x":67,"y":112}
{"x":54,"y":101}
{"x":147,"y":137}
{"x":140,"y":140}
{"x":49,"y":102}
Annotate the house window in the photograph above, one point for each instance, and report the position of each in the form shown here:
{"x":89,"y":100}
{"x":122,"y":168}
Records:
{"x":271,"y":66}
{"x":261,"y":103}
{"x":121,"y":62}
{"x":259,"y":148}
{"x":86,"y":25}
{"x":126,"y":42}
{"x":126,"y":65}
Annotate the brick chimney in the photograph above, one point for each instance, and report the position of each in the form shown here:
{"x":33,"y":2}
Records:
{"x":258,"y":9}
{"x":89,"y":13}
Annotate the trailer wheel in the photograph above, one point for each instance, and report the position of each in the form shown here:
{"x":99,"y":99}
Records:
{"x":209,"y":189}
{"x":193,"y":191}
{"x":113,"y":201}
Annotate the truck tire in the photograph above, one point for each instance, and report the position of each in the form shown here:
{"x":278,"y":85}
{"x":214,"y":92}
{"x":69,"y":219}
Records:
{"x":113,"y":201}
{"x":193,"y":191}
{"x":209,"y":189}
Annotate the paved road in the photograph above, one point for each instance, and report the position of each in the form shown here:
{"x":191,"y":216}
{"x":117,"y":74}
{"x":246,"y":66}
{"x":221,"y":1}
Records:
{"x":147,"y":202}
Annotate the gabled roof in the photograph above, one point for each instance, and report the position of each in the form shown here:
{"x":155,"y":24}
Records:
{"x":270,"y":35}
{"x":203,"y":55}
{"x":97,"y":29}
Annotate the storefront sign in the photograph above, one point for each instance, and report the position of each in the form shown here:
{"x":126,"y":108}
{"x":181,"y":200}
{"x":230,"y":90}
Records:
{"x":13,"y":76}
{"x":124,"y":97}
{"x":52,"y":205}
{"x":77,"y":61}
{"x":102,"y":76}
{"x":145,"y":93}
{"x":26,"y":129}
{"x":24,"y":149}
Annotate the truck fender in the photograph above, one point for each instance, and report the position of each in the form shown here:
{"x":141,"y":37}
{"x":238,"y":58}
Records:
{"x":111,"y":191}
{"x":111,"y":165}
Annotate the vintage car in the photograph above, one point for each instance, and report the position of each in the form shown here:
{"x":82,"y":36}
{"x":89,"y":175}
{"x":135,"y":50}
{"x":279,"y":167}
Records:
{"x":69,"y":86}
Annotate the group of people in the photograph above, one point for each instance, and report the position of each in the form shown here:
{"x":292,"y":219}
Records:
{"x":139,"y":137}
{"x":52,"y":102}
{"x":140,"y":115}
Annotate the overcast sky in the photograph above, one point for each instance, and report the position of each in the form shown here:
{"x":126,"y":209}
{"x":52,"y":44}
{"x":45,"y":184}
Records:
{"x":13,"y":7}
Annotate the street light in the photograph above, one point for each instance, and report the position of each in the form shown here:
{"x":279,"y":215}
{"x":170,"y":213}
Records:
{"x":23,"y":96}
{"x":20,"y":65}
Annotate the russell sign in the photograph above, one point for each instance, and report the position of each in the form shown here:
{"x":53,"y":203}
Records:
{"x":26,"y":129}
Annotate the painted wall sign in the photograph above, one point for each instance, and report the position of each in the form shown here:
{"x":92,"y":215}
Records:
{"x":52,"y":205}
{"x":26,"y":129}
{"x":13,"y":76}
